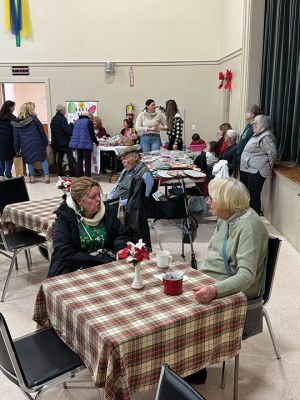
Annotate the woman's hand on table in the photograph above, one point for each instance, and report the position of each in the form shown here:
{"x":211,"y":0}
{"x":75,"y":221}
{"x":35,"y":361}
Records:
{"x":205,"y":293}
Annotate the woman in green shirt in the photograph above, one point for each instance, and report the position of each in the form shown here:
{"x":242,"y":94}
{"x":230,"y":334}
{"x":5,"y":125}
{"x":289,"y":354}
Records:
{"x":240,"y":238}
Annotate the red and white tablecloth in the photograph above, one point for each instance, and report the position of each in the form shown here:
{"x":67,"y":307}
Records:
{"x":123,"y":335}
{"x":37,"y":215}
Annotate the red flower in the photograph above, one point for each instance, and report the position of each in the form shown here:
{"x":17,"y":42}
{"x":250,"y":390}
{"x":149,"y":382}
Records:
{"x":221,"y":76}
{"x":124,"y":253}
{"x":134,"y":252}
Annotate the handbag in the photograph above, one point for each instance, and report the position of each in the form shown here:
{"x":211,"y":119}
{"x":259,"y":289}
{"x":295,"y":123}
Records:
{"x":19,"y":166}
{"x":49,"y":155}
{"x":254,"y":314}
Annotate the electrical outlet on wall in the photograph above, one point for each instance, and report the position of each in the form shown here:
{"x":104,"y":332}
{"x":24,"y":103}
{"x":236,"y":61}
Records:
{"x":193,"y":127}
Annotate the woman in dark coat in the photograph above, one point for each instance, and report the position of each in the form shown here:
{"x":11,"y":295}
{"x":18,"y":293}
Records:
{"x":86,"y":233}
{"x":7,"y":151}
{"x":30,"y":139}
{"x":61,"y":133}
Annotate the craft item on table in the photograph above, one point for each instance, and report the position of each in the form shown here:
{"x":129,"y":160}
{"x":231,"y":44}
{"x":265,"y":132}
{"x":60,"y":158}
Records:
{"x":181,"y":166}
{"x":64,"y":184}
{"x":195,"y":174}
{"x":162,"y":174}
{"x":176,"y":174}
{"x":161,"y":165}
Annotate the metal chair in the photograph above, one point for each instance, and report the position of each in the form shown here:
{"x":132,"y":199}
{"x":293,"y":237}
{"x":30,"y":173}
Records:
{"x":37,"y":361}
{"x":272,"y":258}
{"x":171,"y":386}
{"x":14,"y":191}
{"x":176,"y":211}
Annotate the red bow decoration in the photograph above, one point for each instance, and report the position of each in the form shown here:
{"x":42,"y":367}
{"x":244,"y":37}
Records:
{"x":225,"y":79}
{"x":221,"y":78}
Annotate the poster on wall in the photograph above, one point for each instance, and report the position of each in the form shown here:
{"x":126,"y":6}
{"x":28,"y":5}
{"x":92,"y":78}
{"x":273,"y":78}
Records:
{"x":75,"y":108}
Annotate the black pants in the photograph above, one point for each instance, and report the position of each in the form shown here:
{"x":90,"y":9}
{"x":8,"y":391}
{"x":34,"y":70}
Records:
{"x":254,"y":183}
{"x":86,"y":156}
{"x":60,"y":157}
{"x":172,"y":142}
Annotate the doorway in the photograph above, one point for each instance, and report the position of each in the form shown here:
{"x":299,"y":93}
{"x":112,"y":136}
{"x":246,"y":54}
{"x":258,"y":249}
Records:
{"x":22,"y":92}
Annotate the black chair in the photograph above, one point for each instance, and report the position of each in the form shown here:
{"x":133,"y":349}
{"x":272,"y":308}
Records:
{"x":172,"y":387}
{"x":36,"y":361}
{"x":14,"y":191}
{"x":272,"y":258}
{"x":176,"y":211}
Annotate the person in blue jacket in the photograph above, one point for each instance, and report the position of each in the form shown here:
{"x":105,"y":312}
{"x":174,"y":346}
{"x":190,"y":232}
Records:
{"x":30,"y":139}
{"x":7,"y":151}
{"x":82,"y":140}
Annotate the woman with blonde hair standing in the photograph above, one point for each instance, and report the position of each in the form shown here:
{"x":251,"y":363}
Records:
{"x":30,"y":140}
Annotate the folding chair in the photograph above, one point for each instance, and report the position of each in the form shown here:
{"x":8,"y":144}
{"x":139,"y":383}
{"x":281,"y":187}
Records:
{"x":271,"y":263}
{"x":14,"y":191}
{"x":37,"y":361}
{"x":171,"y":387}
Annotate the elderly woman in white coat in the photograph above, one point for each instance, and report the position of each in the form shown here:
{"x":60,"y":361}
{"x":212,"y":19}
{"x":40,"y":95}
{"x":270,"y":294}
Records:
{"x":257,"y":159}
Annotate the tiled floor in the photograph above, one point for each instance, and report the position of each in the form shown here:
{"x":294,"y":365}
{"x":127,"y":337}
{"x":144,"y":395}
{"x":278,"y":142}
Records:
{"x":262,"y":376}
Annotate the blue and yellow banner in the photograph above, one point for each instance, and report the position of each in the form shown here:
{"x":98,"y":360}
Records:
{"x":17,"y":19}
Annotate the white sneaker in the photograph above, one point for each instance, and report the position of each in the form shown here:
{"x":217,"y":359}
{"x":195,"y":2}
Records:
{"x":2,"y":178}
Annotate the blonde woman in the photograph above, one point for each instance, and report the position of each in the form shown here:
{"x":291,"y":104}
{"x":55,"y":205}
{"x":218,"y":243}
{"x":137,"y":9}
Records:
{"x":236,"y":252}
{"x":86,"y":232}
{"x":30,"y":139}
{"x":100,"y":131}
{"x":246,"y":243}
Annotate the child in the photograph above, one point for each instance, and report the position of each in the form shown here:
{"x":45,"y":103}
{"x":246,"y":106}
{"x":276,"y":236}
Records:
{"x":212,"y":153}
{"x":223,"y":129}
{"x":196,"y":139}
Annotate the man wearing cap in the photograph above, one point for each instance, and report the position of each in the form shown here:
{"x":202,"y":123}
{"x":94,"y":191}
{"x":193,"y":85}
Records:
{"x":133,"y":166}
{"x":230,"y":154}
{"x":61,"y":133}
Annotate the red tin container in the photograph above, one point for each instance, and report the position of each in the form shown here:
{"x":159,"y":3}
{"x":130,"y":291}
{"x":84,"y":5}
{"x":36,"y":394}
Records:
{"x":172,"y":287}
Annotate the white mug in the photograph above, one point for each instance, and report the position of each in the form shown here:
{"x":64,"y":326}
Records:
{"x":163,"y":259}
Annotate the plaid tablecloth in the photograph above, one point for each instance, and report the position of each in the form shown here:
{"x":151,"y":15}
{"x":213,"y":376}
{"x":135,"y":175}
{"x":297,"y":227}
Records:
{"x":123,"y":335}
{"x":36,"y":215}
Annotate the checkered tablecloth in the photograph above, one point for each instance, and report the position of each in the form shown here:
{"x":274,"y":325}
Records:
{"x":36,"y":215}
{"x":123,"y":335}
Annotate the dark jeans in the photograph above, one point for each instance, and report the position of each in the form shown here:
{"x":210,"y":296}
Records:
{"x":60,"y":157}
{"x":254,"y":183}
{"x":172,"y":142}
{"x":86,"y":156}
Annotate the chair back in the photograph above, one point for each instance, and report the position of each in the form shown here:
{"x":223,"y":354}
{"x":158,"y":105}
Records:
{"x":272,"y":257}
{"x":9,"y":362}
{"x":13,"y":191}
{"x":113,"y":203}
{"x":171,"y":386}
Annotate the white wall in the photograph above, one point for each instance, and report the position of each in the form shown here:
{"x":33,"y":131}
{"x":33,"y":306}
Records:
{"x":175,"y":48}
{"x":118,"y":30}
{"x":231,"y":24}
